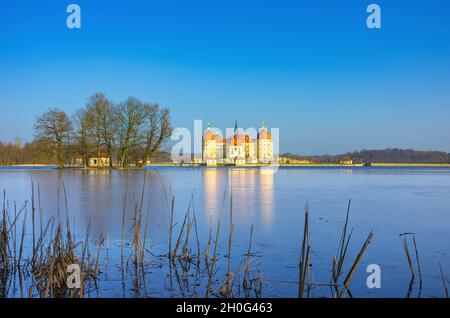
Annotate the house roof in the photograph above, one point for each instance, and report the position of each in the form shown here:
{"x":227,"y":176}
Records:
{"x":102,"y":155}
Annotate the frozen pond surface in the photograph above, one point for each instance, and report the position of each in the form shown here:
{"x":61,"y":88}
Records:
{"x":389,"y":201}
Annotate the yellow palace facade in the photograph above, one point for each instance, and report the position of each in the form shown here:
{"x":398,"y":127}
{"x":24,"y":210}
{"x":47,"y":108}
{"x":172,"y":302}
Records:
{"x":238,"y":149}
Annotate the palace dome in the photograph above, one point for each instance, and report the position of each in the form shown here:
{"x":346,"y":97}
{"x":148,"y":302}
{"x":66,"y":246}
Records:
{"x":209,"y":135}
{"x":219,"y":138}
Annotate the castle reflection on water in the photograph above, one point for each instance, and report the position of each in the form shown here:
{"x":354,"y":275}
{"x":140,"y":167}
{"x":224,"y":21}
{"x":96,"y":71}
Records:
{"x":252,"y":188}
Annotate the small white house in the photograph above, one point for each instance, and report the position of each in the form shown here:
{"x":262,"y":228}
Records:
{"x":99,"y":162}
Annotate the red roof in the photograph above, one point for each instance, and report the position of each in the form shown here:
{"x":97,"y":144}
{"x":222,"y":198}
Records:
{"x":264,"y":134}
{"x":209,"y":135}
{"x":238,"y":140}
{"x":219,"y":139}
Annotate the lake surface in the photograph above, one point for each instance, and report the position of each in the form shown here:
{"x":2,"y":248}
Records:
{"x":389,"y":201}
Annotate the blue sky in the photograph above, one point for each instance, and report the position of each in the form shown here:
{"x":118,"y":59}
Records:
{"x":311,"y":68}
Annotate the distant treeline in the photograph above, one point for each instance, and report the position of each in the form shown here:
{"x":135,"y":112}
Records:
{"x":128,"y":133}
{"x":391,"y":155}
{"x":14,"y":153}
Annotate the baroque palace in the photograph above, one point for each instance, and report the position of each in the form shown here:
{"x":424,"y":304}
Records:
{"x":238,"y":149}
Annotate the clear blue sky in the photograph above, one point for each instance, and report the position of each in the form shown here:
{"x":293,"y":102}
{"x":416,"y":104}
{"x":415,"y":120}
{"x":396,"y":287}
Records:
{"x":310,"y":68}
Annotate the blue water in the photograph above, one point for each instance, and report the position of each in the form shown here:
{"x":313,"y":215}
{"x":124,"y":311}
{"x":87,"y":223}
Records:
{"x":389,"y":201}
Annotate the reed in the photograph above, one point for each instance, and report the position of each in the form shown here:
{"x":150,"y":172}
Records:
{"x":4,"y":247}
{"x":418,"y":263}
{"x":408,"y":257}
{"x":303,"y":265}
{"x":123,"y":228}
{"x":43,"y":270}
{"x":230,"y":240}
{"x":208,"y":246}
{"x":213,"y":262}
{"x":355,"y":265}
{"x":97,"y":259}
{"x":180,"y":235}
{"x":246,"y":280}
{"x":32,"y":221}
{"x":41,"y":216}
{"x":171,"y":227}
{"x":443,"y":281}
{"x":197,"y":238}
{"x":338,"y":261}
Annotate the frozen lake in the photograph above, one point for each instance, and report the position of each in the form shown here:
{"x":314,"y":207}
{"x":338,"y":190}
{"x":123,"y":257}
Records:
{"x":389,"y":201}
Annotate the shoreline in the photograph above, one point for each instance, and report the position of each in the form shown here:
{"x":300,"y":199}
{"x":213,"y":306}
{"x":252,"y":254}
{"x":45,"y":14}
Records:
{"x":312,"y":165}
{"x":443,"y":165}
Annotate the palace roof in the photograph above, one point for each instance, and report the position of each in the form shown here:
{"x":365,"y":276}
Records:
{"x":264,"y":134}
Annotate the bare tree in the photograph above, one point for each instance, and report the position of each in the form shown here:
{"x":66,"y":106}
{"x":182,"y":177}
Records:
{"x":130,"y":132}
{"x":156,"y":129}
{"x":108,"y":129}
{"x":129,"y":117}
{"x":55,"y":127}
{"x":99,"y":108}
{"x":83,"y":121}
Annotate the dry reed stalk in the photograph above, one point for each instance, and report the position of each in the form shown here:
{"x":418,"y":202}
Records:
{"x":136,"y":232}
{"x":15,"y":237}
{"x":213,"y":262}
{"x":443,"y":281}
{"x":171,"y":227}
{"x":304,"y":254}
{"x":185,"y":250}
{"x":32,"y":222}
{"x":408,"y":257}
{"x":66,"y":206}
{"x":246,"y":280}
{"x":8,"y":247}
{"x":21,"y":283}
{"x":258,"y":285}
{"x":197,"y":238}
{"x":83,"y":257}
{"x":208,"y":246}
{"x":123,"y":227}
{"x":40,"y":216}
{"x":418,"y":262}
{"x":100,"y":243}
{"x":4,"y":247}
{"x":53,"y":272}
{"x":355,"y":264}
{"x":137,"y":242}
{"x":226,"y":291}
{"x":41,"y":241}
{"x":22,"y":241}
{"x":338,"y":263}
{"x":185,"y":221}
{"x":144,"y":244}
{"x":230,"y":240}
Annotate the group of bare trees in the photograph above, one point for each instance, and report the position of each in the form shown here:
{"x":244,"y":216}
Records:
{"x":129,"y":132}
